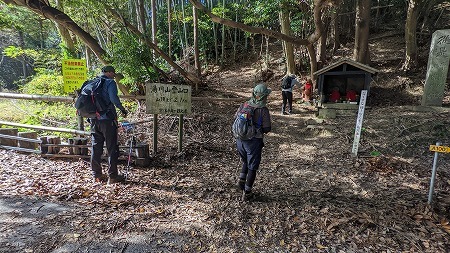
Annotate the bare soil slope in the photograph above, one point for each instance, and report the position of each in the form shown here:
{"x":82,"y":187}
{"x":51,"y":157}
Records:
{"x":313,"y":196}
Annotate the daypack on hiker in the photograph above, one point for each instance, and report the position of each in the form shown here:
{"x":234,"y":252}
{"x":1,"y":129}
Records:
{"x":90,"y":102}
{"x":243,"y":126}
{"x":287,"y":81}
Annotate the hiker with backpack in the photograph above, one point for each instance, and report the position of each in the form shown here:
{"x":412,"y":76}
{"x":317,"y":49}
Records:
{"x":104,"y":128}
{"x":287,"y":85}
{"x":252,"y":121}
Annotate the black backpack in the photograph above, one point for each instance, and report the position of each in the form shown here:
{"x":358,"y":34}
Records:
{"x":287,"y":81}
{"x":90,"y":102}
{"x":243,"y":126}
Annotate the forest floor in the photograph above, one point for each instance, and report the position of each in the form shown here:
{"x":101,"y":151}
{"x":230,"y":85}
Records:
{"x":312,"y":194}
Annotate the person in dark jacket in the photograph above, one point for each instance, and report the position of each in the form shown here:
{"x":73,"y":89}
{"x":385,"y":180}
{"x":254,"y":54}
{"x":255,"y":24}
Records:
{"x":104,"y":130}
{"x":250,"y":151}
{"x":287,"y":94}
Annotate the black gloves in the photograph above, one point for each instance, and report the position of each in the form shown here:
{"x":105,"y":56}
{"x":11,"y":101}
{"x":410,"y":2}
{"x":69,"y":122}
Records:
{"x":124,"y":113}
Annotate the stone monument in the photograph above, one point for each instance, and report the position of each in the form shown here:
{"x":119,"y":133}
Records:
{"x":438,"y":61}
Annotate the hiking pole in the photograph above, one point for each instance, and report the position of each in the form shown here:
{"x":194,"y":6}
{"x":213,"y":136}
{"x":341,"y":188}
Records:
{"x":129,"y":156}
{"x":128,"y":127}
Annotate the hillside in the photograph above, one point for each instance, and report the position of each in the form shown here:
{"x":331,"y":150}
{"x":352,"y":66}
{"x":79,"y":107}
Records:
{"x":312,"y":195}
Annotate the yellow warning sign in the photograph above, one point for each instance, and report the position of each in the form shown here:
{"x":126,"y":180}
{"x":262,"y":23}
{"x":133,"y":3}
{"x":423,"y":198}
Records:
{"x":441,"y":149}
{"x":74,"y":74}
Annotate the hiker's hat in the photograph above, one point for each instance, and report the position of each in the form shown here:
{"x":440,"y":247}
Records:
{"x":108,"y":68}
{"x":261,"y":90}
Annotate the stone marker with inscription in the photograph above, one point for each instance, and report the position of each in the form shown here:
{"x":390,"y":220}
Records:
{"x":437,"y":69}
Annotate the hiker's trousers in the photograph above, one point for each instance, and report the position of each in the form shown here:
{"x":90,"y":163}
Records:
{"x":287,"y":100}
{"x":250,"y":152}
{"x":104,"y":131}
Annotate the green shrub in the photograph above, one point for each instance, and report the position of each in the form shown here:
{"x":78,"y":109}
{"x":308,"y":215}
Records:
{"x":45,"y":84}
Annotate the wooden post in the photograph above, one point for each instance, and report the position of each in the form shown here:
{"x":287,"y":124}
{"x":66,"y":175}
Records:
{"x":71,"y":141}
{"x":155,"y":133}
{"x":26,"y":144}
{"x":142,"y":150}
{"x":180,"y":132}
{"x":8,"y":142}
{"x":44,"y":150}
{"x":53,"y":140}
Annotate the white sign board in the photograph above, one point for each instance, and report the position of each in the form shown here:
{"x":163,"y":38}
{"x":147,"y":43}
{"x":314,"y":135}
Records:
{"x":359,"y":120}
{"x":168,"y":98}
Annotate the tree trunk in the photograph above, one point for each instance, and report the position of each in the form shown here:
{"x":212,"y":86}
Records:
{"x":154,"y":23}
{"x":312,"y":59}
{"x":41,"y":8}
{"x":65,"y":34}
{"x":87,"y":54}
{"x":287,"y":46}
{"x":361,"y":50}
{"x":169,"y":22}
{"x":335,"y":32}
{"x":250,"y":29}
{"x":235,"y":36}
{"x":157,"y":50}
{"x":410,"y":36}
{"x":196,"y":52}
{"x":222,"y":55}
{"x":322,"y":45}
{"x":141,"y":17}
{"x":41,"y":32}
{"x":184,"y":26}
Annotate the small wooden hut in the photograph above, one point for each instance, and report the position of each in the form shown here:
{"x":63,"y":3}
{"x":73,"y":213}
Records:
{"x":336,"y":82}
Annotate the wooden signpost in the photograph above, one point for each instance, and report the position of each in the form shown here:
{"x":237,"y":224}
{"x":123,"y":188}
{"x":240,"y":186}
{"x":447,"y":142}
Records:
{"x":168,"y":99}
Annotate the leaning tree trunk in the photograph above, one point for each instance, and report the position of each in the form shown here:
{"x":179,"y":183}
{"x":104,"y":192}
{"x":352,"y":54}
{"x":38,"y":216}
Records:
{"x":410,"y":36}
{"x":43,"y":9}
{"x":361,"y":50}
{"x":65,"y":34}
{"x":194,"y":79}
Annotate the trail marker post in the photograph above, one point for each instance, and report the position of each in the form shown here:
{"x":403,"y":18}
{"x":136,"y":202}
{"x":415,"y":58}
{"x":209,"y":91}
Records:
{"x":359,"y":120}
{"x":437,"y":149}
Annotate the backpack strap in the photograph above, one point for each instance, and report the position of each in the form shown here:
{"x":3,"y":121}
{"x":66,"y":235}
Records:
{"x":259,"y":121}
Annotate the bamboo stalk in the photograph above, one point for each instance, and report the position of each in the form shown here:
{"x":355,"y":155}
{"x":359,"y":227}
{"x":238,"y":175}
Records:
{"x":19,"y":138}
{"x":21,"y":149}
{"x":72,"y":99}
{"x":55,"y":129}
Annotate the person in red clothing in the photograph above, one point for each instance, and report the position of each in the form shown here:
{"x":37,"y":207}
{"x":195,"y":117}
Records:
{"x":335,"y":95}
{"x":307,"y":90}
{"x":351,"y":95}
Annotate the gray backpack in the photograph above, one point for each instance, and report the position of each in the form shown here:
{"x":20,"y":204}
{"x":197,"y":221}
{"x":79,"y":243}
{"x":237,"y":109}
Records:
{"x":243,"y":127}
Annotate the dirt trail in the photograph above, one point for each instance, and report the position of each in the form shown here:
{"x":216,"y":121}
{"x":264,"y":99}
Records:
{"x":312,"y":195}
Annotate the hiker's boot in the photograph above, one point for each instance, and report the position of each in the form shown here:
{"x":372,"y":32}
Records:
{"x":247,"y":195}
{"x":100,"y":178}
{"x":241,"y":184}
{"x":116,"y":179}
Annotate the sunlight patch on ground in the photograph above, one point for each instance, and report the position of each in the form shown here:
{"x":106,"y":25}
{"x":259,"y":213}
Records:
{"x":296,"y":150}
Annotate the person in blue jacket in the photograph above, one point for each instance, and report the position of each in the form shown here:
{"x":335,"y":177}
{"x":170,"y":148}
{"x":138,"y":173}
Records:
{"x":104,"y":129}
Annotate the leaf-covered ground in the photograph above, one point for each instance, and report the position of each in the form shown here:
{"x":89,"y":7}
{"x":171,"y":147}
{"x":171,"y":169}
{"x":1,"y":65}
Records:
{"x":312,"y":195}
